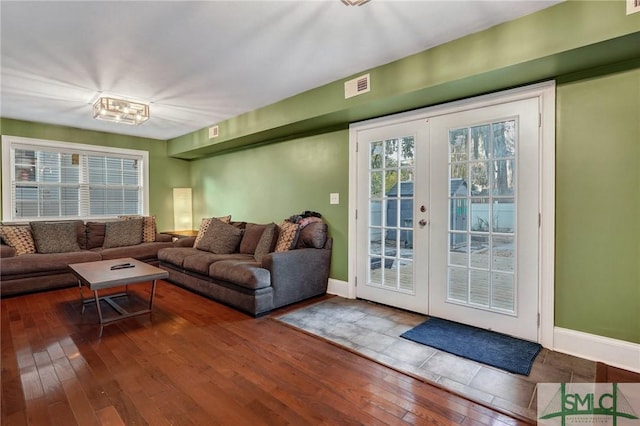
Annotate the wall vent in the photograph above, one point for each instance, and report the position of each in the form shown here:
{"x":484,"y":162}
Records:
{"x":214,"y":132}
{"x":357,"y":86}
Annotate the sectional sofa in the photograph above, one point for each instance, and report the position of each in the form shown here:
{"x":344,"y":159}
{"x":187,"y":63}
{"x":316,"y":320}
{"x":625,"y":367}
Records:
{"x":252,"y":267}
{"x":40,"y":253}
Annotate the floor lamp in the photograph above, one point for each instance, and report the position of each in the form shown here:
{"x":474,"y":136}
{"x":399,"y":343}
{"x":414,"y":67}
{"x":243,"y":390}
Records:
{"x":182,"y":209}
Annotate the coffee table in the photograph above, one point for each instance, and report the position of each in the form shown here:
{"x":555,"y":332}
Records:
{"x":106,"y":274}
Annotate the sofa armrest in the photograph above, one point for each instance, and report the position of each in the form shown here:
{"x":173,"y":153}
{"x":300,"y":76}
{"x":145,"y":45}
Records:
{"x":6,"y":251}
{"x":184,"y":242}
{"x":298,"y":274}
{"x":164,"y":238}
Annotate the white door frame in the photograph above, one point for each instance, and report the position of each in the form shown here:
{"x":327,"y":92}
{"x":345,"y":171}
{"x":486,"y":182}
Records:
{"x":545,"y":92}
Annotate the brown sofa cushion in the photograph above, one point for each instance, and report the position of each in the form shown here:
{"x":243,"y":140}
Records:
{"x":55,"y":237}
{"x":251,"y":237}
{"x":6,"y":251}
{"x":202,"y":261}
{"x":95,"y":234}
{"x":177,"y":255}
{"x":164,"y":238}
{"x":314,"y":235}
{"x":267,"y":241}
{"x":35,"y":263}
{"x":81,"y":232}
{"x":220,"y":238}
{"x":123,"y":233}
{"x":240,"y":272}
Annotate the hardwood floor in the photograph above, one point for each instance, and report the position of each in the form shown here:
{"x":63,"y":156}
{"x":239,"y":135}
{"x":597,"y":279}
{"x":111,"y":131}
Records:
{"x":608,"y":374}
{"x":196,"y":362}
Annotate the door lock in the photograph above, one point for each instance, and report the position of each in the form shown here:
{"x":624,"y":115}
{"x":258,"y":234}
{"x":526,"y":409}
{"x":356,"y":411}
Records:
{"x":423,"y":209}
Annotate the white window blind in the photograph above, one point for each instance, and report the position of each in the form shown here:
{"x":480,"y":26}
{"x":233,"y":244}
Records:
{"x":48,"y":179}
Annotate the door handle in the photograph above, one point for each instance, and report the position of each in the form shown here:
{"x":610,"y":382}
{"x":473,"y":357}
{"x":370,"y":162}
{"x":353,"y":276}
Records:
{"x":422,"y":223}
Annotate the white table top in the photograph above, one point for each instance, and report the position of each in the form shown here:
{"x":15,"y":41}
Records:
{"x":99,"y":275}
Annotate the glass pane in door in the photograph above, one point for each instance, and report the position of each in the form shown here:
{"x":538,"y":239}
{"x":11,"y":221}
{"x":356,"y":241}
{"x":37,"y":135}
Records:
{"x":391,"y":217}
{"x":482,"y":214}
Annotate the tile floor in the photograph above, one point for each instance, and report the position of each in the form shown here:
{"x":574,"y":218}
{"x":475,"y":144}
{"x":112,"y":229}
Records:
{"x":374,"y":330}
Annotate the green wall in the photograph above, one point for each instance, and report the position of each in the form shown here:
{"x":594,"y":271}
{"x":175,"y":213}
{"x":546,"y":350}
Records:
{"x":568,"y":37}
{"x":272,"y":182}
{"x":598,"y":205}
{"x":165,"y":172}
{"x":597,"y":196}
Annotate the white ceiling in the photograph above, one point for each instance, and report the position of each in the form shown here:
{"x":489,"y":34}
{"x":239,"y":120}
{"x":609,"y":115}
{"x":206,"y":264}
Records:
{"x":200,"y":62}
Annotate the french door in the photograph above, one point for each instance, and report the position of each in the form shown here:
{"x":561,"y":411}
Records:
{"x":484,"y":217}
{"x":393,"y":164}
{"x":448,"y":215}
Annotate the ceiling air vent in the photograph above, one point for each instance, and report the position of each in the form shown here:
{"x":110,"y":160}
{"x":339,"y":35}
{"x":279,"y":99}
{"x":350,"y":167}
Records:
{"x":214,"y":132}
{"x":357,"y":86}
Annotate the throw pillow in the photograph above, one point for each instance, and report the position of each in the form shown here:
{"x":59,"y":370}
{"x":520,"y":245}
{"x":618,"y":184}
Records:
{"x":95,"y":234}
{"x":220,"y":238}
{"x":18,"y":237}
{"x":204,"y":225}
{"x":314,"y":235}
{"x":287,"y":237}
{"x":55,"y":237}
{"x":251,"y":237}
{"x":148,"y":227}
{"x":123,"y":233}
{"x":267,"y":241}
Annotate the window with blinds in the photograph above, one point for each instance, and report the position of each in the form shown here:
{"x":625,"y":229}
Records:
{"x":49,"y":180}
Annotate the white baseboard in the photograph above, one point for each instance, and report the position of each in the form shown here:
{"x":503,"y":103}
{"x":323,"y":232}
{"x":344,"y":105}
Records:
{"x":338,"y":288}
{"x":617,"y":353}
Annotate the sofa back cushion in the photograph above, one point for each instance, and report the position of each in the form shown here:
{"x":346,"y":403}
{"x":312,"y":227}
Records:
{"x":251,"y":237}
{"x":313,"y":235}
{"x":123,"y":233}
{"x":18,"y":237}
{"x":95,"y":234}
{"x":220,"y":238}
{"x":267,"y":242}
{"x":81,"y":232}
{"x":55,"y":237}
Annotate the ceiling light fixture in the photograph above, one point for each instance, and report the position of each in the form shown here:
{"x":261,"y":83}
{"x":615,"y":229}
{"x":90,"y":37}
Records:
{"x":354,"y":2}
{"x":120,"y":110}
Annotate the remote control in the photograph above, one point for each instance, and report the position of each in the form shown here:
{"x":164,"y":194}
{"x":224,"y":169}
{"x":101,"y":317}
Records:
{"x":122,"y":266}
